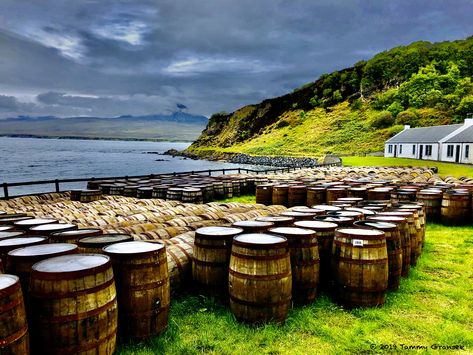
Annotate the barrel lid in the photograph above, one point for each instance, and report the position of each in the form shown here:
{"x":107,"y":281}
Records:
{"x":409,"y":207}
{"x":7,"y":235}
{"x":71,"y":263}
{"x":103,"y":240}
{"x":252,"y":224}
{"x":5,"y":228}
{"x":360,"y":232}
{"x":7,"y":280}
{"x":293,"y":231}
{"x":218,"y":231}
{"x":362,"y":210}
{"x":132,"y":247}
{"x":77,"y":232}
{"x":335,"y":219}
{"x":349,"y":199}
{"x":387,"y":218}
{"x":259,"y":239}
{"x":381,"y":225}
{"x":326,"y":207}
{"x":346,"y":213}
{"x":191,"y":189}
{"x":52,"y":227}
{"x":317,"y":225}
{"x":21,"y":241}
{"x":304,"y":209}
{"x":2,"y":213}
{"x":35,"y":222}
{"x":275,"y":219}
{"x":43,"y":249}
{"x":13,"y":215}
{"x":297,"y":214}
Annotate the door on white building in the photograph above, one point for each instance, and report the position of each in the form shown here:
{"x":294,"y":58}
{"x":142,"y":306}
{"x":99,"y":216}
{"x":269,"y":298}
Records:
{"x":457,"y":154}
{"x":421,"y":151}
{"x":395,"y":150}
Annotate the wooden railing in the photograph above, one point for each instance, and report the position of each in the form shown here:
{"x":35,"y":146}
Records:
{"x":57,"y":182}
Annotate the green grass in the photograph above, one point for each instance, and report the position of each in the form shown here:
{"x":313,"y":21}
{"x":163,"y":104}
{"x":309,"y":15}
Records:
{"x":444,"y":169}
{"x":240,"y":199}
{"x":433,"y":306}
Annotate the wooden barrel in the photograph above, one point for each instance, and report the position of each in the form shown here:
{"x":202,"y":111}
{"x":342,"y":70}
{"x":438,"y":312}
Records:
{"x":334,"y":193}
{"x":432,"y":200}
{"x":174,"y":193}
{"x":13,"y":215}
{"x":160,"y":191}
{"x":355,"y":215}
{"x":413,"y":233}
{"x":73,"y":236}
{"x":316,"y":196}
{"x":95,"y":244}
{"x":379,"y":194}
{"x":74,"y":305}
{"x":9,"y":220}
{"x":393,"y":243}
{"x":297,"y":195}
{"x":264,"y":194}
{"x":299,"y":216}
{"x":26,"y":224}
{"x":9,"y":244}
{"x":143,"y":291}
{"x":117,"y":189}
{"x":6,"y":228}
{"x":339,"y":220}
{"x":416,"y":249}
{"x":48,"y":229}
{"x":403,"y":226}
{"x":279,"y":194}
{"x":305,"y":262}
{"x":325,"y":232}
{"x":360,"y":267}
{"x":419,"y":217}
{"x":260,"y":280}
{"x":20,"y":261}
{"x":212,"y":248}
{"x":456,"y":208}
{"x":2,"y":213}
{"x":253,"y":226}
{"x":361,"y":192}
{"x":402,"y":195}
{"x":326,"y":208}
{"x":278,"y":221}
{"x":219,"y":192}
{"x":236,"y":187}
{"x":12,"y":234}
{"x":130,"y":190}
{"x":86,"y":195}
{"x":144,"y":192}
{"x":13,"y":325}
{"x":192,"y":195}
{"x":364,"y":211}
{"x":179,"y":257}
{"x":227,"y":189}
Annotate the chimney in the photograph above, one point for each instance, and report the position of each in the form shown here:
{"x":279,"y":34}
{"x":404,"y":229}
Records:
{"x":468,"y":122}
{"x":406,"y":127}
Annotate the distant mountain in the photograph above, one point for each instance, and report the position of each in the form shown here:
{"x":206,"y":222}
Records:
{"x":175,"y":126}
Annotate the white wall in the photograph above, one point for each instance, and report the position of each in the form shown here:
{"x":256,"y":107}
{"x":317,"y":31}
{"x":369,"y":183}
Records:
{"x":462,"y":146}
{"x":433,"y":156}
{"x":407,"y":151}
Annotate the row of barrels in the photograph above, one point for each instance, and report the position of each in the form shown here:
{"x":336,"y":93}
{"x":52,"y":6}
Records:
{"x":186,"y":188}
{"x":443,"y":203}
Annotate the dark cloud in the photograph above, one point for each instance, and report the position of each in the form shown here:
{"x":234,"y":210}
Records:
{"x":100,"y":57}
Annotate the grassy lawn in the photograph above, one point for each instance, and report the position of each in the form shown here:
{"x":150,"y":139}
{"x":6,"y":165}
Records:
{"x":433,"y":306}
{"x":456,"y":170}
{"x":240,"y":199}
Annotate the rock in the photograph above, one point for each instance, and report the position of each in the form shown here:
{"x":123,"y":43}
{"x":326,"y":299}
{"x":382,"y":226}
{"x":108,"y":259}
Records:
{"x":332,"y":159}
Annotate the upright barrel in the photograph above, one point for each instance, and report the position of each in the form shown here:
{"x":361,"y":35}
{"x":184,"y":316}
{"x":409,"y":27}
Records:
{"x":432,"y":200}
{"x":260,"y":280}
{"x":13,"y":325}
{"x":316,"y":196}
{"x":278,"y":221}
{"x":297,"y":195}
{"x":360,"y":267}
{"x":95,"y":244}
{"x":280,"y":194}
{"x":26,"y":224}
{"x":74,"y":305}
{"x":253,"y":226}
{"x":264,"y":194}
{"x":456,"y":206}
{"x":305,"y":262}
{"x":48,"y":229}
{"x":143,"y":291}
{"x":212,"y":248}
{"x":9,"y":244}
{"x":73,"y":236}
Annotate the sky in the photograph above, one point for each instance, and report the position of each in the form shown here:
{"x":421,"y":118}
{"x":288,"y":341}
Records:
{"x":108,"y":58}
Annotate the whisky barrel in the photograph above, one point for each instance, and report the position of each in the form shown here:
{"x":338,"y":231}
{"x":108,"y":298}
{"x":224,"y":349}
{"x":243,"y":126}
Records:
{"x":236,"y":187}
{"x":212,"y":248}
{"x":316,"y":195}
{"x":160,"y":191}
{"x":419,"y":217}
{"x":325,"y":232}
{"x":179,"y":258}
{"x":366,"y":212}
{"x":413,"y":233}
{"x":130,"y":190}
{"x":339,"y":220}
{"x":361,"y":192}
{"x":299,"y":216}
{"x":418,"y":229}
{"x":95,"y":244}
{"x":334,"y":193}
{"x":117,"y":189}
{"x":143,"y":291}
{"x":192,"y":195}
{"x":432,"y":200}
{"x":13,"y":215}
{"x":279,"y":195}
{"x":264,"y":194}
{"x":278,"y":221}
{"x":74,"y":305}
{"x":12,"y":234}
{"x":6,"y":228}
{"x":393,"y":243}
{"x":456,"y":208}
{"x":403,"y":226}
{"x":105,"y":188}
{"x":305,"y":262}
{"x":144,"y":192}
{"x":360,"y":267}
{"x":305,"y":209}
{"x":297,"y":195}
{"x":253,"y":226}
{"x":355,"y":215}
{"x":48,"y":229}
{"x":21,"y":260}
{"x":26,"y":224}
{"x":9,"y":220}
{"x":2,"y":213}
{"x":219,"y":192}
{"x":326,"y":208}
{"x":9,"y":244}
{"x":73,"y":236}
{"x":13,"y":325}
{"x":379,"y":194}
{"x":227,"y":189}
{"x":260,"y":280}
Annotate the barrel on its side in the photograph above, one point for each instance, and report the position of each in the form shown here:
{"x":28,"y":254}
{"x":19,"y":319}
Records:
{"x":13,"y":325}
{"x":143,"y":292}
{"x":260,"y":280}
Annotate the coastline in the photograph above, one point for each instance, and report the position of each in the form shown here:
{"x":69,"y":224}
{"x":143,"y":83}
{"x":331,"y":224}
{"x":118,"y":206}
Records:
{"x":96,"y":138}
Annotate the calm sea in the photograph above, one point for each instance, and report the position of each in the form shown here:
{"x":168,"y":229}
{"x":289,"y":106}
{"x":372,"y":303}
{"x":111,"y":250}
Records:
{"x":29,"y":159}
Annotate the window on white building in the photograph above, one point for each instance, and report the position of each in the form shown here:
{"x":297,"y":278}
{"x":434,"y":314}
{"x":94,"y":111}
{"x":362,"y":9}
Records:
{"x":449,"y":150}
{"x":390,"y":148}
{"x":428,"y":150}
{"x":413,"y":149}
{"x":467,"y":151}
{"x":400,"y":148}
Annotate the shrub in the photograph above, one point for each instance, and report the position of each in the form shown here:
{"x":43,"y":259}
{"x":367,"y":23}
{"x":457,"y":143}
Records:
{"x":282,"y":123}
{"x":466,"y":106}
{"x":408,"y":117}
{"x":337,"y":96}
{"x":395,"y":108}
{"x":382,"y":119}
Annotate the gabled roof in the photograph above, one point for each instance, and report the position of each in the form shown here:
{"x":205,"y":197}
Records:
{"x":424,"y":134}
{"x":465,"y":136}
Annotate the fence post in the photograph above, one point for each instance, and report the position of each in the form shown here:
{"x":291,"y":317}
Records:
{"x":56,"y":183}
{"x":210,"y":172}
{"x":5,"y":190}
{"x":239,"y":171}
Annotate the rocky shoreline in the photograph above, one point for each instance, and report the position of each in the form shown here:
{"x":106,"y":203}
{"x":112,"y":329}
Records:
{"x":278,"y":161}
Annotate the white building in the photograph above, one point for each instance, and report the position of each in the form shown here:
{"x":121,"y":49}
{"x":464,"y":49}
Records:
{"x":451,"y":143}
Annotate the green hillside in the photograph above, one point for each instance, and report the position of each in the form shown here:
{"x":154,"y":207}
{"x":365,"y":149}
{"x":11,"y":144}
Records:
{"x":354,"y":110}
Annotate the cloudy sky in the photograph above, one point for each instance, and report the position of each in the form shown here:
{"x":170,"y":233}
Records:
{"x":114,"y":57}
